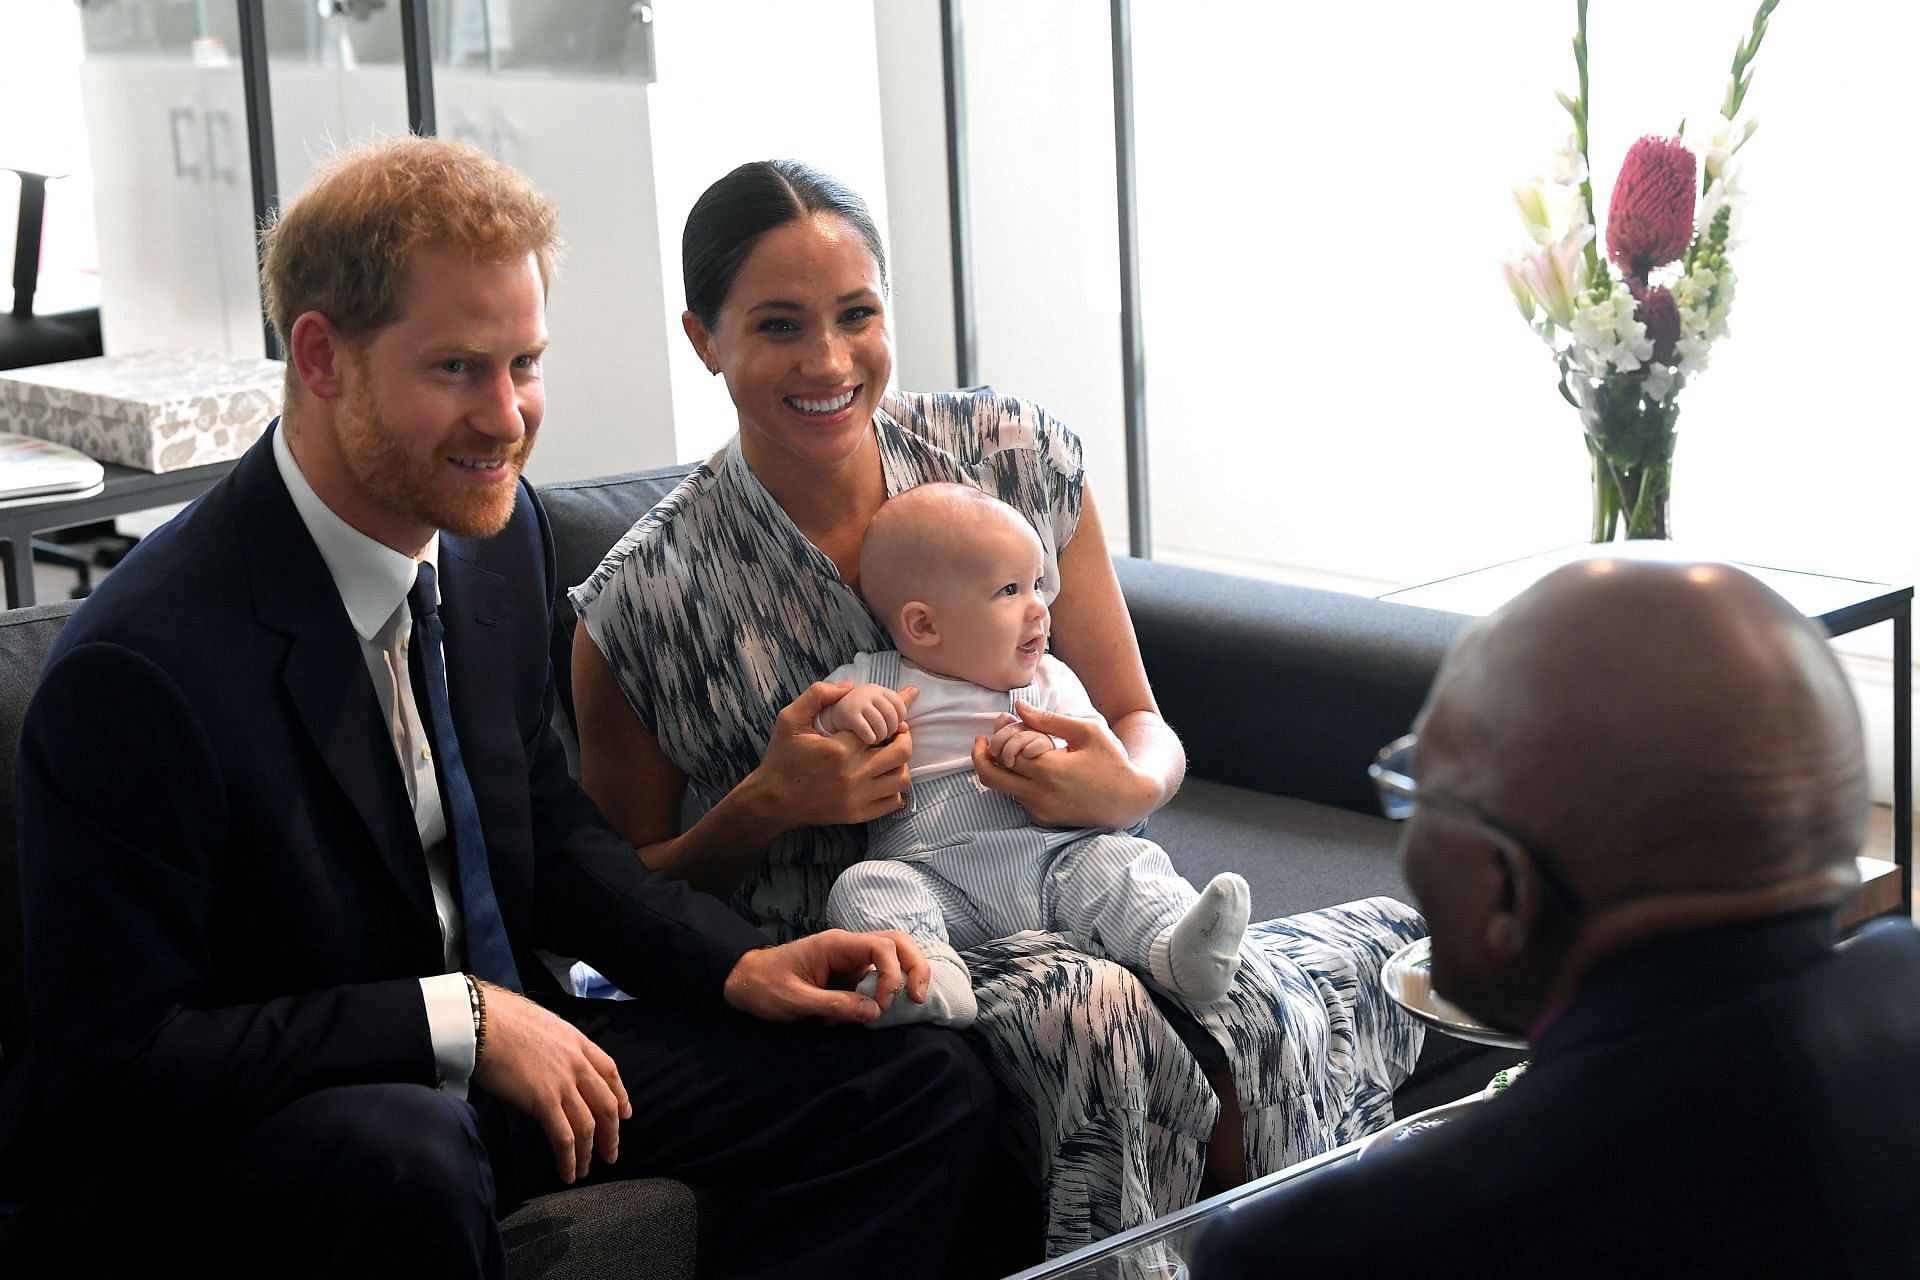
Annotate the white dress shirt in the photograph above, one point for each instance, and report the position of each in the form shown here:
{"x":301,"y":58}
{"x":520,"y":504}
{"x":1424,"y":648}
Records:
{"x":373,"y":581}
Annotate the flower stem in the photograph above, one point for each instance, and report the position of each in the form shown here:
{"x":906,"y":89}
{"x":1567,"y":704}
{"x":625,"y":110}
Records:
{"x":1579,"y":109}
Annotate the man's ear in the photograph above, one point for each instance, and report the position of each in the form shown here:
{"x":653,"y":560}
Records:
{"x":916,"y":623}
{"x":1511,"y":923}
{"x":319,"y":354}
{"x":702,"y":341}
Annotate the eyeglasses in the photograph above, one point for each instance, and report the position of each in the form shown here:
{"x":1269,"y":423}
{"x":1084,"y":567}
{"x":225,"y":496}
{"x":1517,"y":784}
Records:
{"x":1401,"y":793}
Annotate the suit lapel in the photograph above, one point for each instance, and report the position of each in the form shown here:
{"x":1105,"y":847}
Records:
{"x":325,"y":675}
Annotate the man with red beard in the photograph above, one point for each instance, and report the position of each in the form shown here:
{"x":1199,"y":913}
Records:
{"x":289,"y":991}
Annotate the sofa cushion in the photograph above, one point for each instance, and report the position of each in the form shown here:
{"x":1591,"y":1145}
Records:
{"x":1296,"y":855}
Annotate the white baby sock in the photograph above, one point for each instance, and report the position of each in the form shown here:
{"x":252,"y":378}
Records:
{"x":1198,"y":954}
{"x":949,"y":1000}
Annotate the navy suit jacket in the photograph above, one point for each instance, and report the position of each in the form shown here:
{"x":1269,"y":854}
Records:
{"x":1739,"y":1102}
{"x":225,"y":900}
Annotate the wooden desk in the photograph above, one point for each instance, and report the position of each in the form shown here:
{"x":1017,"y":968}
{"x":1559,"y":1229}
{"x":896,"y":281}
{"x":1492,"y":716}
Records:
{"x":1839,"y":604}
{"x":125,"y":491}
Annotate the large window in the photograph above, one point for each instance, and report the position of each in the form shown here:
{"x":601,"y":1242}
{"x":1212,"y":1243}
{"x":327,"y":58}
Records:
{"x":1339,"y":387}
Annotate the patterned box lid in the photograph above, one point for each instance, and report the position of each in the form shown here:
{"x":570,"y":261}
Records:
{"x":147,"y":387}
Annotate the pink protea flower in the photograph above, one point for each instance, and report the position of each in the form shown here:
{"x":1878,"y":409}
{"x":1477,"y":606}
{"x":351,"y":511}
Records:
{"x":1658,"y":311}
{"x":1651,"y":217}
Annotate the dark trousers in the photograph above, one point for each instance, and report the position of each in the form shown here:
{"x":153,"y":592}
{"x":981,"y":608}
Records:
{"x":835,"y":1151}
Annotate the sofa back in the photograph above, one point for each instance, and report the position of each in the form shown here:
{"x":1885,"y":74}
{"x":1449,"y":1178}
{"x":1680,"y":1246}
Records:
{"x":1283,"y":689}
{"x":25,"y":637}
{"x":587,"y":517}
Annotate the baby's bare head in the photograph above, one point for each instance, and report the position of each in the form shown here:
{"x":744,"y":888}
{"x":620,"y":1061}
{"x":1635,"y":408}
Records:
{"x":938,"y":562}
{"x":926,"y":535}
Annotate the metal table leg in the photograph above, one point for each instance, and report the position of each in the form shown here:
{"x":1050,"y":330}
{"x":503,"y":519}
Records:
{"x":19,"y":570}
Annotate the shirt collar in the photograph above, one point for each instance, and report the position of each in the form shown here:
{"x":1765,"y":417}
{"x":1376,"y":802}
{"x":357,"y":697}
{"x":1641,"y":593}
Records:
{"x":372,"y":578}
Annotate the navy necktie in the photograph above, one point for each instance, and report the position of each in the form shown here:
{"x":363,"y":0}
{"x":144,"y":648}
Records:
{"x":487,"y":952}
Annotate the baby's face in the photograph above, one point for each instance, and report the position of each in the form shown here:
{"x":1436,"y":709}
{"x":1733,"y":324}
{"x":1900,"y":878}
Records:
{"x":988,"y":612}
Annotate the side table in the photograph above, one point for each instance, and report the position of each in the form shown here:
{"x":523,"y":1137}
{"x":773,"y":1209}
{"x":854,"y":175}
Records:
{"x":124,"y":491}
{"x":1840,"y":605}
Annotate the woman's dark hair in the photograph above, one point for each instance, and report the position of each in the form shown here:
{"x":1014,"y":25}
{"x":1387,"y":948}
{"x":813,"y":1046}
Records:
{"x":731,"y":215}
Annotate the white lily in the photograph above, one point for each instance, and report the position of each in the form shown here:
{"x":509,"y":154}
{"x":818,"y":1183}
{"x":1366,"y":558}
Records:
{"x":1517,"y":286}
{"x":1555,"y":274}
{"x":1531,"y":201}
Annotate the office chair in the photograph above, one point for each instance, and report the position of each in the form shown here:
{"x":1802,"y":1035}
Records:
{"x":29,"y":339}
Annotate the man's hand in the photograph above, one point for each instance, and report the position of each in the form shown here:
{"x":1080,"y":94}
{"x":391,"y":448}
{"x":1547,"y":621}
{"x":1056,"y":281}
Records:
{"x":794,"y":981}
{"x":1013,"y":740}
{"x":873,"y":713}
{"x":542,"y":1065}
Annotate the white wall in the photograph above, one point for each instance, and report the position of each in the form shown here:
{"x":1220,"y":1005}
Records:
{"x":751,"y":80}
{"x":1045,"y":234}
{"x":913,"y":129}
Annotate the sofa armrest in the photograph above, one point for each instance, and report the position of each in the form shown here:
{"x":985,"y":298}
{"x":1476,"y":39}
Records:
{"x":1288,"y":690}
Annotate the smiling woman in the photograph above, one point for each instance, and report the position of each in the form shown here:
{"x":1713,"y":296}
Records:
{"x":699,"y":678}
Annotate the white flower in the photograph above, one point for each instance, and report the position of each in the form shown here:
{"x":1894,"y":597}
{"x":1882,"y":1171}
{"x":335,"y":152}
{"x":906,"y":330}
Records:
{"x":1723,"y":140}
{"x":1517,"y":285}
{"x":1723,"y":190}
{"x":1690,"y":355}
{"x":1554,"y":274}
{"x":1607,"y":338}
{"x":1531,"y":201}
{"x":1569,"y":166}
{"x":1660,"y":379}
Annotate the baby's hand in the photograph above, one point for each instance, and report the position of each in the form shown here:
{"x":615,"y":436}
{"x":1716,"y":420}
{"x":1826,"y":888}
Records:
{"x":1013,"y":740}
{"x":871,"y":712}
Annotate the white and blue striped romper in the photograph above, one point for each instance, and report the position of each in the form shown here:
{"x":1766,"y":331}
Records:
{"x":714,"y":612}
{"x":964,"y":864}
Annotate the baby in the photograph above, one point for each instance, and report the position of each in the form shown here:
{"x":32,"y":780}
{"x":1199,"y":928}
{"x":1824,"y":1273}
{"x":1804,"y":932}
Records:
{"x":955,"y":576}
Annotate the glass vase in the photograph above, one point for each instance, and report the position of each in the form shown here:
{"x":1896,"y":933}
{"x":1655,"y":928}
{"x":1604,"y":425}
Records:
{"x":1630,"y":437}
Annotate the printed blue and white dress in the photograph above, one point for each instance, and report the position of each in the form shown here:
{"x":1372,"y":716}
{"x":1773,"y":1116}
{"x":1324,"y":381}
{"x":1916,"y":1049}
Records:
{"x":714,"y":612}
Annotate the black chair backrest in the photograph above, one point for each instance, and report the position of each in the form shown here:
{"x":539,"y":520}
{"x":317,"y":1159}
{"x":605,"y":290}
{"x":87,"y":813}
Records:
{"x":29,"y":339}
{"x":25,"y":637}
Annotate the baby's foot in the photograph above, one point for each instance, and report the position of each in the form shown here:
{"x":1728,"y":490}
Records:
{"x":949,"y":1000}
{"x":1202,"y":947}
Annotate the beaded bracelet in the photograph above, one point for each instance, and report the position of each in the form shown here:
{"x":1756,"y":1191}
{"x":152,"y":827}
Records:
{"x":477,"y":1004}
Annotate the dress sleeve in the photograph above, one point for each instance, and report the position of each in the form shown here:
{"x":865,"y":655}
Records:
{"x":1034,"y":461}
{"x":612,"y":605}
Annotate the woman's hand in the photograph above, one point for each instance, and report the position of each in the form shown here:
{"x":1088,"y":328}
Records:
{"x":1091,"y":783}
{"x":811,"y":779}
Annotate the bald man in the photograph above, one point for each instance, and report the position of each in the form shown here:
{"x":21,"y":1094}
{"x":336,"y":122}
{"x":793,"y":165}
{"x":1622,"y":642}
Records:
{"x":1637,"y":794}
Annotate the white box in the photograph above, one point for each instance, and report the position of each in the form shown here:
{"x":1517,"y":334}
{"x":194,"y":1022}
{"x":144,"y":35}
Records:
{"x":158,"y":410}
